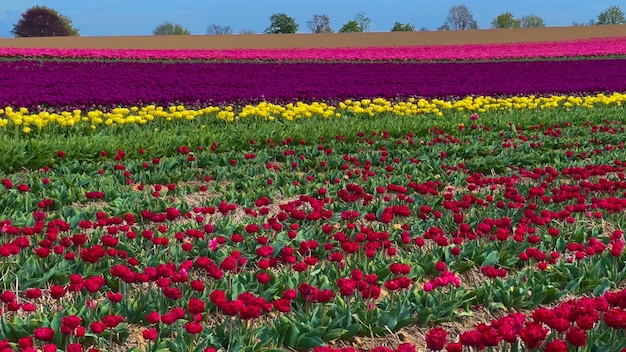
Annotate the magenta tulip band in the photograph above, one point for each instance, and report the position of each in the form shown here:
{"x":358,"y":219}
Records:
{"x":87,"y":84}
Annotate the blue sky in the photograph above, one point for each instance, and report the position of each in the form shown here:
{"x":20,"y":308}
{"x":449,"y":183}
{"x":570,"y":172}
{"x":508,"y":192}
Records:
{"x":140,"y":17}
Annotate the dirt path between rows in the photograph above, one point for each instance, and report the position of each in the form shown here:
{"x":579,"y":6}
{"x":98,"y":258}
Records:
{"x":254,"y":41}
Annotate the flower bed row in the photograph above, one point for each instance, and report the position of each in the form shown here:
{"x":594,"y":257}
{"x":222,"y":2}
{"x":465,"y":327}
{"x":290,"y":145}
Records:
{"x":85,"y":85}
{"x":573,"y":48}
{"x":38,"y":120}
{"x":578,"y":323}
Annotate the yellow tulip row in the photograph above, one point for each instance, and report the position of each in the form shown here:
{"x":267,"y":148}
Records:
{"x":289,"y":112}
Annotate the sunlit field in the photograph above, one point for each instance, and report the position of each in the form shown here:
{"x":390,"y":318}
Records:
{"x":453,"y":198}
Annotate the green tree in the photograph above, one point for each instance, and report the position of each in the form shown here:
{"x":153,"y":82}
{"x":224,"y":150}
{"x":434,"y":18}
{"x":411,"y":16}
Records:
{"x":281,"y":23}
{"x":612,"y":15}
{"x":403,"y":27}
{"x":216,"y":29}
{"x":350,"y":27}
{"x":319,"y":24}
{"x":532,"y":21}
{"x":506,"y":20}
{"x":360,"y":23}
{"x":167,"y":28}
{"x":40,"y":21}
{"x":459,"y":18}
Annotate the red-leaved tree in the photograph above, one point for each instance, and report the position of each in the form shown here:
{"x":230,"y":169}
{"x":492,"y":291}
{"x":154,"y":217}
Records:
{"x":40,"y":21}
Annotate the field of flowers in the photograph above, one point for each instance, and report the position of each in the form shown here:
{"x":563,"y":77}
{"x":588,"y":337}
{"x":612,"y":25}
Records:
{"x":453,"y":198}
{"x":532,"y":50}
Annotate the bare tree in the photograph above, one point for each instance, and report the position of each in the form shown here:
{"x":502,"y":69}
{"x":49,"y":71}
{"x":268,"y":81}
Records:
{"x":246,"y":31}
{"x":319,"y":24}
{"x":459,"y":18}
{"x":216,"y":29}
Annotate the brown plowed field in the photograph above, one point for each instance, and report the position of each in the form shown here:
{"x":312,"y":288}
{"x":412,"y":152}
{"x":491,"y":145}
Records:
{"x":254,"y":41}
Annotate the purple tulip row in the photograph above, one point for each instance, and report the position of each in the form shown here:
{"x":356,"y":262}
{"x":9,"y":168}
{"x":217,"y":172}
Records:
{"x":89,"y":84}
{"x":571,"y":48}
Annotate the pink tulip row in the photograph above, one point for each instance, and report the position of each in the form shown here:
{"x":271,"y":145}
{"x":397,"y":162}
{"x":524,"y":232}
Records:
{"x":572,"y":48}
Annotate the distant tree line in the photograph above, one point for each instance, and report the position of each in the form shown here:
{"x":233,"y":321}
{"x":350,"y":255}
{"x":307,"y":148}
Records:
{"x":40,"y":21}
{"x":507,"y":20}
